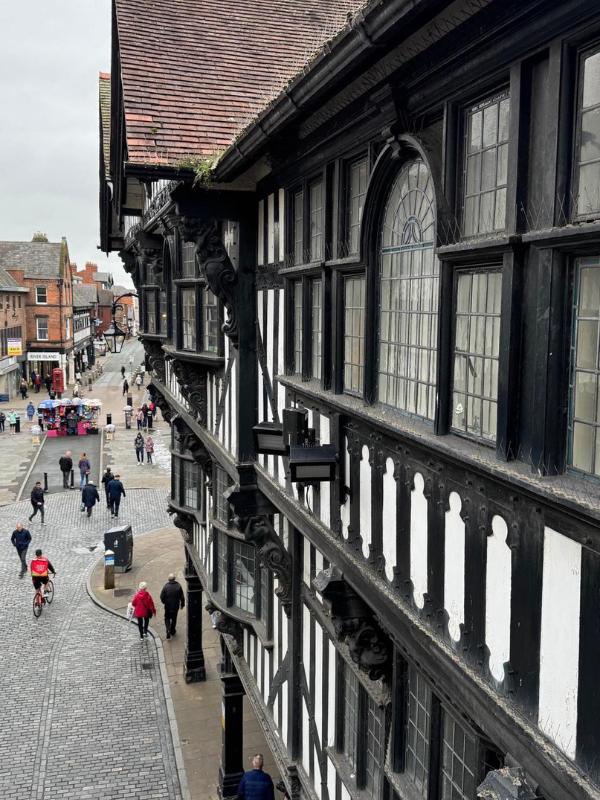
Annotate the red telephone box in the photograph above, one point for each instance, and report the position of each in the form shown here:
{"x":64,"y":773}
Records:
{"x":58,"y":381}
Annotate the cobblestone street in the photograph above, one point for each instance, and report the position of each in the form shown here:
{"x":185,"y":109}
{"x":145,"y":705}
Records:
{"x":84,"y":713}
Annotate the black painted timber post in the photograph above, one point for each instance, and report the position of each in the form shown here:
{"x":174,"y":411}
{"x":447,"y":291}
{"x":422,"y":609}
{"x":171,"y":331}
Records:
{"x":232,"y":729}
{"x":194,"y":666}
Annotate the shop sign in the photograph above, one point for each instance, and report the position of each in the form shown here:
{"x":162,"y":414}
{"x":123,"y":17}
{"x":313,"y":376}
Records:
{"x":47,"y":355}
{"x":14,"y":347}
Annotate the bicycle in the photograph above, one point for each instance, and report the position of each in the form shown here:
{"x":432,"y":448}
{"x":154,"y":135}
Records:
{"x":43,"y":595}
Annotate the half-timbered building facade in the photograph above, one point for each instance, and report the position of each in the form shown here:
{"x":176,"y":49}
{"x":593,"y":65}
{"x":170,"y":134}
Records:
{"x":392,"y":248}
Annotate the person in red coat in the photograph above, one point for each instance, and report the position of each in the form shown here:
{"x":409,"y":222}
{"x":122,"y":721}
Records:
{"x":143,"y":608}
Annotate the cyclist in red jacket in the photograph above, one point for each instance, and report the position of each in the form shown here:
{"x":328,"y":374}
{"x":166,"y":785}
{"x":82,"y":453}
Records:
{"x":40,"y":566}
{"x":143,"y":608}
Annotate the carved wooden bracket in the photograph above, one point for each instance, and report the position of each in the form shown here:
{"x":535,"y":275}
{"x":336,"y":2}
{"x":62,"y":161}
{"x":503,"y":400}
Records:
{"x":227,"y":625}
{"x":221,"y":276}
{"x":252,"y":515}
{"x":355,"y":625}
{"x":129,"y":261}
{"x":160,"y":401}
{"x":508,"y":783}
{"x":192,"y":383}
{"x":156,"y":357}
{"x":183,"y":521}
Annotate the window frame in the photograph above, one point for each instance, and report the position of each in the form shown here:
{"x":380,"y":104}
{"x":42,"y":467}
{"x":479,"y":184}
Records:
{"x":303,"y":187}
{"x":344,"y":226}
{"x":590,"y":49}
{"x":39,"y":338}
{"x":180,"y":344}
{"x":343,"y":277}
{"x":43,"y":289}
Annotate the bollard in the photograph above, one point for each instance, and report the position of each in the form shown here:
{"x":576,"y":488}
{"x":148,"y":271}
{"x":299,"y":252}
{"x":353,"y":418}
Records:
{"x":109,"y":569}
{"x":109,"y":419}
{"x":72,"y":479}
{"x":45,"y":481}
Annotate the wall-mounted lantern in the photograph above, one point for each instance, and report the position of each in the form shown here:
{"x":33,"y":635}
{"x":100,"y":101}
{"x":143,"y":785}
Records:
{"x":313,"y":464}
{"x":269,"y":438}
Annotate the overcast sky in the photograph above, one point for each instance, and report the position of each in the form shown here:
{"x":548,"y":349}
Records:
{"x":50,"y":54}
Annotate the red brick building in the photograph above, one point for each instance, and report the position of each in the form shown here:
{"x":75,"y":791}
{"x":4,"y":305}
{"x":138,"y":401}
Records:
{"x":44,"y":269}
{"x":12,"y":335}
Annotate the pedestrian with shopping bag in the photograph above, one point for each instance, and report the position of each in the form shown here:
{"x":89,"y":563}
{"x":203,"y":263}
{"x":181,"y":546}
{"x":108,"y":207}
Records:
{"x":143,"y":608}
{"x":21,"y":539}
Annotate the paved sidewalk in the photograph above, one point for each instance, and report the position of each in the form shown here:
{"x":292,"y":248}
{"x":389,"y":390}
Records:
{"x":197,"y":705}
{"x":83,"y":709}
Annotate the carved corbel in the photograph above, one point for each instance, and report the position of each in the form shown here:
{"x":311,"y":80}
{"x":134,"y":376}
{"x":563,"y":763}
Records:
{"x":183,"y":521}
{"x":221,"y":276}
{"x":166,"y":410}
{"x":508,"y":783}
{"x":355,"y":624}
{"x":129,"y":261}
{"x":252,"y":510}
{"x":192,"y":383}
{"x":156,"y":357}
{"x":228,"y":626}
{"x":152,"y":258}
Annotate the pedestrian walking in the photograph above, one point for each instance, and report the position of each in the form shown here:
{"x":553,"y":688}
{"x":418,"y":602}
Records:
{"x":23,"y":388}
{"x":172,"y":598}
{"x":106,"y":479}
{"x":138,"y":381}
{"x":37,"y":383}
{"x":2,"y":421}
{"x":139,"y":444}
{"x":125,"y":387}
{"x":122,"y":371}
{"x":152,"y":408}
{"x":78,"y":377}
{"x":84,"y":470}
{"x":30,"y":410}
{"x":145,"y":412}
{"x":149,"y":448}
{"x":89,"y":497}
{"x":76,"y":390}
{"x":66,"y":465}
{"x":48,"y":383}
{"x":12,"y":421}
{"x":37,"y":501}
{"x":143,"y":608}
{"x":139,"y":417}
{"x":116,"y":491}
{"x":21,"y":539}
{"x":130,"y":362}
{"x":256,"y":784}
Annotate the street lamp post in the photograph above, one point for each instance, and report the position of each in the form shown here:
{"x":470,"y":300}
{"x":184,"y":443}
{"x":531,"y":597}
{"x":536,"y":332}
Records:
{"x":115,"y":336}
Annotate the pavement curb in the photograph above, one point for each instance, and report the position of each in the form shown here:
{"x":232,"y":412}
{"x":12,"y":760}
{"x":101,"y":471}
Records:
{"x":30,"y":470}
{"x":181,"y":773}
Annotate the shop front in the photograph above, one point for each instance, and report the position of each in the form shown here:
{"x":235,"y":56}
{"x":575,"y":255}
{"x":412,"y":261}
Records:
{"x":10,"y":378}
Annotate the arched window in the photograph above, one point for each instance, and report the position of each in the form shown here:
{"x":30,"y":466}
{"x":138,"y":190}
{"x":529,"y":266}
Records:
{"x":409,"y":294}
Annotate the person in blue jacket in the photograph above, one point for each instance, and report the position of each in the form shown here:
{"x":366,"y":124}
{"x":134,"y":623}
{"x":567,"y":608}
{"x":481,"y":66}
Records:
{"x":256,"y":784}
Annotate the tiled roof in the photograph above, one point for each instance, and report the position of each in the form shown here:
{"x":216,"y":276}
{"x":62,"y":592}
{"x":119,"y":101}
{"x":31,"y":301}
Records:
{"x":36,"y":259}
{"x":104,"y":92}
{"x":194,"y":74}
{"x":8,"y":282}
{"x":105,"y":297}
{"x":84,"y":294}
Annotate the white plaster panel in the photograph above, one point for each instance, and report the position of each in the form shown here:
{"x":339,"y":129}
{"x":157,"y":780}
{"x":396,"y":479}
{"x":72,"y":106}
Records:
{"x":325,"y":510}
{"x":259,"y":664}
{"x":331,"y":776}
{"x":285,"y":688}
{"x":306,"y":640}
{"x":559,"y":646}
{"x":260,"y":257}
{"x":454,"y":569}
{"x":389,"y":518}
{"x":331,"y":688}
{"x":234,"y":415}
{"x":281,"y":226}
{"x":418,"y":539}
{"x":271,"y":228}
{"x":345,"y":794}
{"x":345,"y":508}
{"x":497,"y":597}
{"x":266,"y":675}
{"x":317,"y":772}
{"x":319,"y":677}
{"x":305,"y":738}
{"x":246,"y":645}
{"x":306,"y":562}
{"x":252,"y":645}
{"x":365,"y":501}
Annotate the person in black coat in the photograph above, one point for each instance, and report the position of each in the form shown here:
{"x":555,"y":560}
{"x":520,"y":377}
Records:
{"x":21,"y":539}
{"x":116,"y":490}
{"x":89,"y":497}
{"x":173,"y":599}
{"x":106,"y":479}
{"x":37,"y":501}
{"x":66,"y":465}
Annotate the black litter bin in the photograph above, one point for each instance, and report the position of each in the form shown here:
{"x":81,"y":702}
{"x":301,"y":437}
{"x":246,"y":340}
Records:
{"x":120,"y":540}
{"x":18,"y":424}
{"x":109,"y":419}
{"x":129,"y":400}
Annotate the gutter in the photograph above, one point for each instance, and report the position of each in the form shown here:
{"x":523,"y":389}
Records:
{"x":366,"y":33}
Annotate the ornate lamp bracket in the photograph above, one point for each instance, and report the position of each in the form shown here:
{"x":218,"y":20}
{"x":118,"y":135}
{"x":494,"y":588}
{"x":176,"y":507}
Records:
{"x":355,"y":625}
{"x":252,"y":515}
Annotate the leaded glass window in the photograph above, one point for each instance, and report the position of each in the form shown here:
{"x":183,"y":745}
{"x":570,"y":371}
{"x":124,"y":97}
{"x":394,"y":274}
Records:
{"x":244,"y":575}
{"x":150,"y":298}
{"x":222,"y":542}
{"x":355,"y":200}
{"x":459,"y":761}
{"x":162,"y":311}
{"x":222,"y":482}
{"x":189,"y":488}
{"x":297,"y":289}
{"x":409,"y":294}
{"x":316,"y":291}
{"x":374,"y":750}
{"x":418,"y":731}
{"x":585,"y":369}
{"x":351,"y":695}
{"x":476,"y":353}
{"x":299,"y":227}
{"x":486,"y":165}
{"x":211,"y":322}
{"x":588,"y":168}
{"x":316,"y":220}
{"x":354,"y":334}
{"x":188,"y":260}
{"x":188,"y":319}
